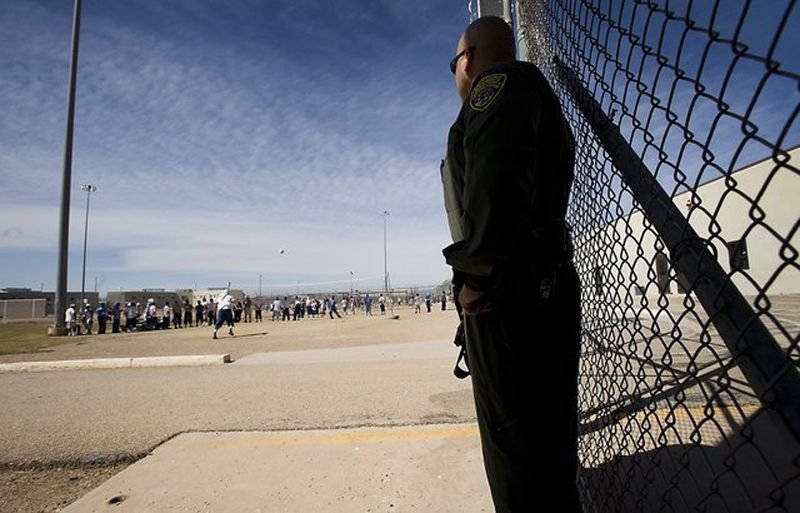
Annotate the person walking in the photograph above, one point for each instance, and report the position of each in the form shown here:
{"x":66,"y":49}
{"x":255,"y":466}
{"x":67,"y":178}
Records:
{"x":130,"y":317}
{"x":165,"y":316}
{"x":276,"y":309}
{"x":177,"y":314}
{"x":367,"y":305}
{"x":332,"y":307}
{"x":211,"y":311}
{"x":102,"y":318}
{"x":88,"y":318}
{"x":116,"y":317}
{"x":285,"y":308}
{"x":247,"y":304}
{"x":298,"y":308}
{"x":151,"y":318}
{"x":199,"y":309}
{"x":70,"y":320}
{"x":187,"y":314}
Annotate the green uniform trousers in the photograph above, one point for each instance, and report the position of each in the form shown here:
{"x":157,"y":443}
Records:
{"x":523,"y":359}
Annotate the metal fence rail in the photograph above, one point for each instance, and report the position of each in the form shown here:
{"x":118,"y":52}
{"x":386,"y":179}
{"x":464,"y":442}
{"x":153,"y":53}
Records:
{"x":686,"y":220}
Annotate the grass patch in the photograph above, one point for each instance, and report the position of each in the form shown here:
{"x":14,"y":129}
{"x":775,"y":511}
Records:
{"x":28,"y":337}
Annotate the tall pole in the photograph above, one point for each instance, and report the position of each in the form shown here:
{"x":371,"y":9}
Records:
{"x":351,"y":283}
{"x":385,"y":258}
{"x":507,"y":13}
{"x":259,"y":285}
{"x":59,"y":326}
{"x":89,"y":188}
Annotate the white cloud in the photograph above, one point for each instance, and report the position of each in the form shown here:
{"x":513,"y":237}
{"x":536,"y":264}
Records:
{"x":223,"y":150}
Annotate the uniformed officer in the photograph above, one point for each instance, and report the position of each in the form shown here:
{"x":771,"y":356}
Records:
{"x":507,"y":176}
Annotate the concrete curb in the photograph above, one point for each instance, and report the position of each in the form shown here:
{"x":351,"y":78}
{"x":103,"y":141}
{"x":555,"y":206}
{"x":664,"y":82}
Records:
{"x":118,"y":363}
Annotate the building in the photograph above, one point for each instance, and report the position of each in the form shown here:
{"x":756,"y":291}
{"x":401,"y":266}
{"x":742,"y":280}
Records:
{"x":747,"y":218}
{"x":160,"y":296}
{"x":215,"y":292}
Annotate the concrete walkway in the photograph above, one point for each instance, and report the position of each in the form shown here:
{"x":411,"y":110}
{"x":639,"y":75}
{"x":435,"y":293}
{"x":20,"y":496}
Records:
{"x":379,"y":353}
{"x":117,"y":363}
{"x":434,"y":468}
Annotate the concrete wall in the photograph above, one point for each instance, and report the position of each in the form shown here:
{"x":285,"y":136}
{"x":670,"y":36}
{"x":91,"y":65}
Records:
{"x":19,"y":309}
{"x":720,"y":211}
{"x":72,"y":297}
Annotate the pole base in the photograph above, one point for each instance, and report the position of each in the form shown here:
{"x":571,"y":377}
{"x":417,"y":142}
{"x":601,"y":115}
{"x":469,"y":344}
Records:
{"x":55,"y":331}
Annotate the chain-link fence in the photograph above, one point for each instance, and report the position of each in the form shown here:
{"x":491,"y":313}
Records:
{"x":685,"y":221}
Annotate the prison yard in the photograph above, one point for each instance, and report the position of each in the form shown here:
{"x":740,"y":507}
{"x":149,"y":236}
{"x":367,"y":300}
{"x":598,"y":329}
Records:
{"x":682,"y":215}
{"x":331,"y":388}
{"x":68,"y":431}
{"x":29,"y":341}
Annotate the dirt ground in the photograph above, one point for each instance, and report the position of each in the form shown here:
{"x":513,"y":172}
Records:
{"x":47,"y":490}
{"x":51,"y":488}
{"x":266,"y":336}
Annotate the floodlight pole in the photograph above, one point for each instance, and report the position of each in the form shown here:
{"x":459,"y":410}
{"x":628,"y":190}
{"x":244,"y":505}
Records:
{"x":385,"y":257}
{"x":89,"y":188}
{"x":59,"y":325}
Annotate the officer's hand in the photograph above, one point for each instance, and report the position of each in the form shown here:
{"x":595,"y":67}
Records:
{"x":474,"y":302}
{"x":460,"y":338}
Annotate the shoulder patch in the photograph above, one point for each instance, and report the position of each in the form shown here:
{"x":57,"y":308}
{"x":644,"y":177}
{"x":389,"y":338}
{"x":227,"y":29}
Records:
{"x":486,"y":90}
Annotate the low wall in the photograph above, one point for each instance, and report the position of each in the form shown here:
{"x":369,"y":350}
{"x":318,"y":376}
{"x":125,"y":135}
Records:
{"x":20,"y":309}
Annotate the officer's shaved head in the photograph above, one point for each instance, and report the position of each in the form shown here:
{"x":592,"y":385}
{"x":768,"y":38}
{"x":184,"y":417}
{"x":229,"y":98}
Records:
{"x":486,"y":41}
{"x":492,"y":36}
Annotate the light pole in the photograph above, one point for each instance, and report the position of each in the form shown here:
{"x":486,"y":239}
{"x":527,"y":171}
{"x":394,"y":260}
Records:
{"x":89,"y":188}
{"x":59,"y":326}
{"x":351,"y":283}
{"x":385,"y":257}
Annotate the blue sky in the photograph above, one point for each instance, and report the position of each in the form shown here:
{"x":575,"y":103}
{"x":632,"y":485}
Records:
{"x":218,"y":132}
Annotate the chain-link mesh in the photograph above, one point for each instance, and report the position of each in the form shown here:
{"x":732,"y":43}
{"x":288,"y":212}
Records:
{"x":687,"y":251}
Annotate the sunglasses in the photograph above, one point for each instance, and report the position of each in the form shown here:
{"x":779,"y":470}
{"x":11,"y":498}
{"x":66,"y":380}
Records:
{"x":454,"y":62}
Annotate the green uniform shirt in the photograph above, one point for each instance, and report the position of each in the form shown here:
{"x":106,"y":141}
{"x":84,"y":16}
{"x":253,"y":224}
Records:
{"x":506,"y":179}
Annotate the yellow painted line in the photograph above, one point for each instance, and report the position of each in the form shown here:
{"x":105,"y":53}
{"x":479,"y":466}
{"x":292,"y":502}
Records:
{"x":696,"y":413}
{"x":699,"y":412}
{"x":336,"y":438}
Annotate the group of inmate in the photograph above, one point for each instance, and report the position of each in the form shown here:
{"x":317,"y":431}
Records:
{"x":208,"y":311}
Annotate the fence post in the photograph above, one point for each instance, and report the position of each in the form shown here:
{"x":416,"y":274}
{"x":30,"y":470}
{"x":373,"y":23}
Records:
{"x":768,"y":369}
